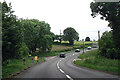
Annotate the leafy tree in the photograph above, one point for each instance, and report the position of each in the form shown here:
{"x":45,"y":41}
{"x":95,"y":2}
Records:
{"x":37,"y":34}
{"x":70,"y":34}
{"x":11,"y":33}
{"x":53,"y":36}
{"x":30,"y":33}
{"x":21,"y":35}
{"x":111,"y":13}
{"x":87,"y":39}
{"x":107,"y":46}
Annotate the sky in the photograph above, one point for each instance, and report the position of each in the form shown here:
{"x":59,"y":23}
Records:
{"x":61,"y":14}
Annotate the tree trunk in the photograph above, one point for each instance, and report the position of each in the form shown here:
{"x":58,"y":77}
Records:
{"x":71,"y":42}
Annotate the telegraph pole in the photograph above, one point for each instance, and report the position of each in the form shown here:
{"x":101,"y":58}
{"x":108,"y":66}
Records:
{"x":83,"y":45}
{"x":99,"y":39}
{"x":60,"y":37}
{"x":60,"y":33}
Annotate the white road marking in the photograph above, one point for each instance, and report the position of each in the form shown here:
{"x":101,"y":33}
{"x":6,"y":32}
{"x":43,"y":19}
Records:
{"x":69,"y":77}
{"x":58,"y":65}
{"x":61,"y":70}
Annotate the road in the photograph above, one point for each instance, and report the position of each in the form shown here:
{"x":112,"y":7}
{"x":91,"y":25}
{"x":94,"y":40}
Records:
{"x":56,"y":67}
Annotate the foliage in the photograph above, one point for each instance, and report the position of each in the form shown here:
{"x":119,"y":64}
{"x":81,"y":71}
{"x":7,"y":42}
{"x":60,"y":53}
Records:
{"x":11,"y":33}
{"x":23,"y":51}
{"x":107,"y":46}
{"x":16,"y":66}
{"x":70,"y":34}
{"x":37,"y":34}
{"x":111,"y":13}
{"x":21,"y":35}
{"x":87,"y":39}
{"x":92,"y":60}
{"x":59,"y":37}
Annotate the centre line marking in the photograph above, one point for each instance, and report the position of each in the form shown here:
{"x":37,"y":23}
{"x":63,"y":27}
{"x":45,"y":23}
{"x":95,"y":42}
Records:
{"x":61,"y":70}
{"x":69,"y":77}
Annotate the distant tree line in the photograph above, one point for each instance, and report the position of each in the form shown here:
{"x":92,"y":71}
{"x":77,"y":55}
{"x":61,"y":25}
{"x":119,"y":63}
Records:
{"x":110,"y":41}
{"x":20,"y":36}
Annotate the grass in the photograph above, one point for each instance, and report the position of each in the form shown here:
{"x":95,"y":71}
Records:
{"x":61,"y":48}
{"x":95,"y":61}
{"x":53,"y":52}
{"x":77,"y":44}
{"x":16,"y":65}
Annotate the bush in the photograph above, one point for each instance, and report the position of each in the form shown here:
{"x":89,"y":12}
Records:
{"x":23,"y":51}
{"x":107,"y":46}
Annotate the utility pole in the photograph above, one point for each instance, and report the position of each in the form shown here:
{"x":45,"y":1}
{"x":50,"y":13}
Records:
{"x":83,"y":45}
{"x":60,"y":37}
{"x":99,"y":39}
{"x":60,"y":33}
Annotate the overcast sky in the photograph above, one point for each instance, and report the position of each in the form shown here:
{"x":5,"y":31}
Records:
{"x":61,"y":14}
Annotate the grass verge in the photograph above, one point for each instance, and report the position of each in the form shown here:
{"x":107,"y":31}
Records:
{"x":93,"y":60}
{"x":16,"y":65}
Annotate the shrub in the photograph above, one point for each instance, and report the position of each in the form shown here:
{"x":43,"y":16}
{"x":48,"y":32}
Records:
{"x":23,"y":51}
{"x":107,"y":46}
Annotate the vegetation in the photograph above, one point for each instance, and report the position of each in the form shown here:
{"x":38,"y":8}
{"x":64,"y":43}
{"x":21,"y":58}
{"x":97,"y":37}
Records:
{"x":20,"y":36}
{"x":111,"y":13}
{"x":70,"y":35}
{"x":57,"y":48}
{"x":93,"y":60}
{"x":10,"y":67}
{"x":106,"y":48}
{"x":13,"y":68}
{"x":11,"y":33}
{"x":87,"y":39}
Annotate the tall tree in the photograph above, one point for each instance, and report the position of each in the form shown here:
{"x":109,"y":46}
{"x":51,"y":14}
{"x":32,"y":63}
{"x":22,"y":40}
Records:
{"x":111,"y":13}
{"x":37,"y":34}
{"x":87,"y":39}
{"x":11,"y":33}
{"x":70,"y":34}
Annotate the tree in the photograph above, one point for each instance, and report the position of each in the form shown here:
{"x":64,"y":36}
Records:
{"x":70,"y":34}
{"x":111,"y":13}
{"x":11,"y":33}
{"x":37,"y":34}
{"x":87,"y":39}
{"x":21,"y":35}
{"x":107,"y":46}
